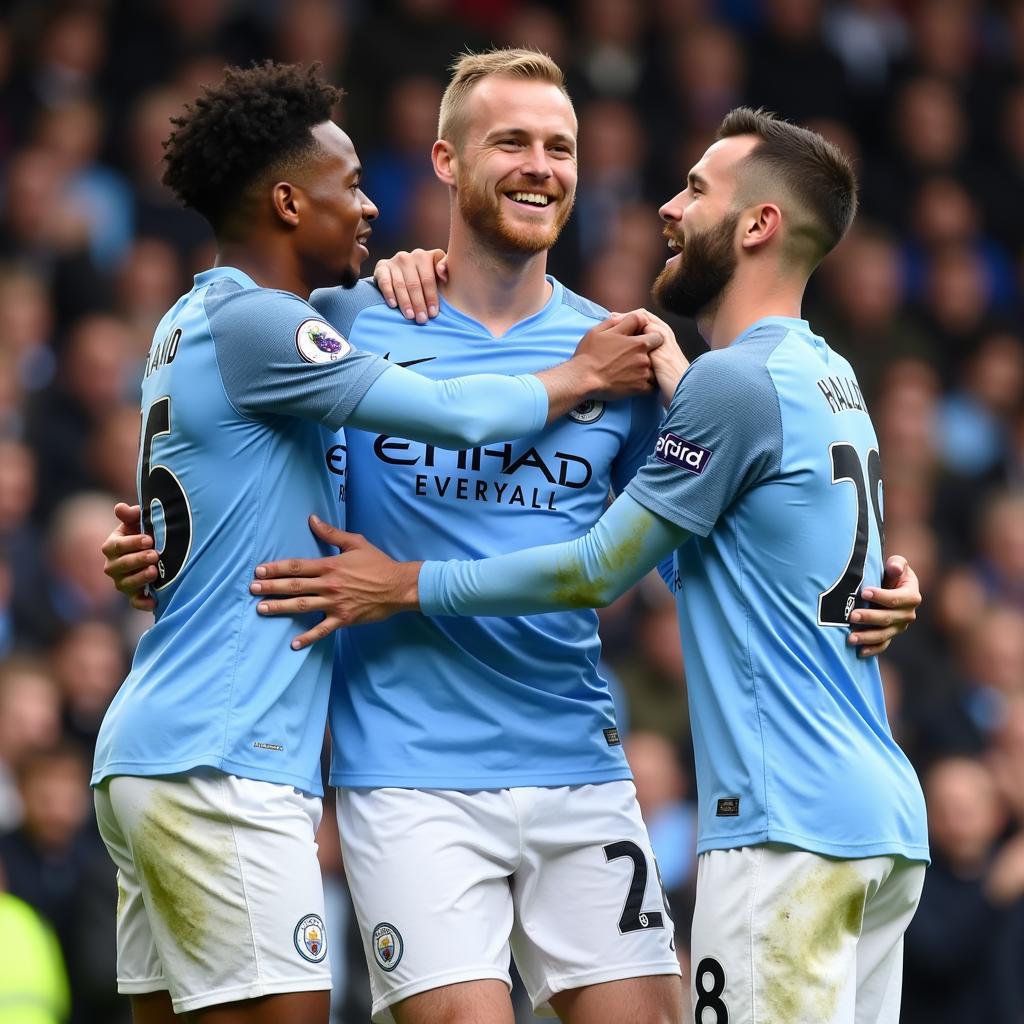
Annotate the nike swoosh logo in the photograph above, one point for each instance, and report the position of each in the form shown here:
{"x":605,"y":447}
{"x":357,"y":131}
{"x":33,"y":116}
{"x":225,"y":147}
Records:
{"x":410,"y":362}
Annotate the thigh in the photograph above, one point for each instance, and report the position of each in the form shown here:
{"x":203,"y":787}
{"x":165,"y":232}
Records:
{"x":231,"y":885}
{"x":775,"y":933}
{"x":288,"y":1008}
{"x":153,"y":1008}
{"x":650,"y":1000}
{"x":468,"y":1002}
{"x":429,"y":875}
{"x":139,"y":970}
{"x":888,"y":912}
{"x":589,"y":903}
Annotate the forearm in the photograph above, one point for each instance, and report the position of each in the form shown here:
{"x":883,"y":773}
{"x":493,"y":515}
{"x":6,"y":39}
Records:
{"x":461,"y":412}
{"x":588,"y":572}
{"x":567,"y":385}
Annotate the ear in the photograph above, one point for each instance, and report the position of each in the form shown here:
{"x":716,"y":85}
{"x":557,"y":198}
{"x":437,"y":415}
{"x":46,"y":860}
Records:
{"x":286,"y":200}
{"x":445,"y":161}
{"x":762,"y":223}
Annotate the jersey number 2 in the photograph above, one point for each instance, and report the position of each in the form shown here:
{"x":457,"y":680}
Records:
{"x":634,"y":918}
{"x":836,"y":603}
{"x":158,"y":483}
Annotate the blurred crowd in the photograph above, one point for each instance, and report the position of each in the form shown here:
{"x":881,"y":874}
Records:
{"x":924,"y":298}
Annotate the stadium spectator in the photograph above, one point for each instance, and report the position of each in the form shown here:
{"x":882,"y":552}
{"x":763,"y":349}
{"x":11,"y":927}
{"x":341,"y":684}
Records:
{"x":45,"y":856}
{"x":29,"y":722}
{"x":94,"y":195}
{"x":72,"y":587}
{"x":88,"y":663}
{"x":962,"y":944}
{"x":862,"y":304}
{"x":26,"y":329}
{"x":95,"y":369}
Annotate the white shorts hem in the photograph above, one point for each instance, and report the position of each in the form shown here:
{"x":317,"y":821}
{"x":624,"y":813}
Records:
{"x":602,"y":975}
{"x":251,"y":991}
{"x":421,"y":985}
{"x":141,"y":988}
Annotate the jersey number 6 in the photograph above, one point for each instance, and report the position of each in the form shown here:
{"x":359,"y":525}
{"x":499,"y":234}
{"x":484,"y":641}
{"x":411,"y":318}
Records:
{"x":159,"y":484}
{"x":836,"y":603}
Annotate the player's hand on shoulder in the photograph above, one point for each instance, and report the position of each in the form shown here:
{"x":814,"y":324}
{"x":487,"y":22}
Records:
{"x":361,"y":584}
{"x":894,"y":608}
{"x":129,"y":558}
{"x":617,"y":354}
{"x":408,"y":281}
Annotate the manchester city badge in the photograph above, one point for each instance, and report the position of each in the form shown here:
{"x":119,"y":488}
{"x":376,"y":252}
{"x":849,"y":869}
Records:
{"x":589,"y":411}
{"x":387,"y":946}
{"x":311,"y":938}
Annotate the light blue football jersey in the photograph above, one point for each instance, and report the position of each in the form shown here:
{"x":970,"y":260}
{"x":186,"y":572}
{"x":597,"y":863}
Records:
{"x":479,"y":703}
{"x":230,"y":466}
{"x":768,"y":456}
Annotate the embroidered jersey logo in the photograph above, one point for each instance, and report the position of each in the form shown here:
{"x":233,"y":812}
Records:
{"x":410,"y":362}
{"x":674,"y":451}
{"x":318,"y":342}
{"x":612,"y":738}
{"x":311,"y":938}
{"x":728,"y":807}
{"x":387,"y":946}
{"x":589,"y":411}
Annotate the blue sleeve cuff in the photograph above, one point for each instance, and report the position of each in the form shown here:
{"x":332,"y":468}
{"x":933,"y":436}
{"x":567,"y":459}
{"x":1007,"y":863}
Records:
{"x":540,"y":395}
{"x":430,"y":591}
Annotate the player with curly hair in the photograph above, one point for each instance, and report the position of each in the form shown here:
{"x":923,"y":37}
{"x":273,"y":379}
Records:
{"x":207,"y":768}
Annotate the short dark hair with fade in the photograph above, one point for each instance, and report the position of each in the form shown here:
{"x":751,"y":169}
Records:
{"x":814,"y":171}
{"x":255,"y":120}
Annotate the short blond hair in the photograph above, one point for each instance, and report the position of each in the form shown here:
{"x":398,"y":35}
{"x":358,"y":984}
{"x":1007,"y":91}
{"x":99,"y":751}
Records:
{"x":470,"y":68}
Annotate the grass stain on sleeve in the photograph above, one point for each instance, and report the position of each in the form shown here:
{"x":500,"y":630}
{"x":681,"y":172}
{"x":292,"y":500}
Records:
{"x":572,"y":586}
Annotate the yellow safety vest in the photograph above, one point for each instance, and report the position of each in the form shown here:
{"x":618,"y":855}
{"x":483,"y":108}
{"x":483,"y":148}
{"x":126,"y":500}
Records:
{"x":33,"y":983}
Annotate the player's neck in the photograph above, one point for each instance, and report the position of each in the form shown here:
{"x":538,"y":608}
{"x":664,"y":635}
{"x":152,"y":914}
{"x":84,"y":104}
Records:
{"x":268,"y":266}
{"x":496,"y":288}
{"x":746,"y":300}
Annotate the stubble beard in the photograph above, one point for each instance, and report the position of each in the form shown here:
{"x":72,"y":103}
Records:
{"x":693,"y":285}
{"x":482,"y":211}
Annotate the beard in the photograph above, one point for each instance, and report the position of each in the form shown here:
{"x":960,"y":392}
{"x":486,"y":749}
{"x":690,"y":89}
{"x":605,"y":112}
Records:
{"x":482,"y":211}
{"x":694,"y":283}
{"x":349,"y":277}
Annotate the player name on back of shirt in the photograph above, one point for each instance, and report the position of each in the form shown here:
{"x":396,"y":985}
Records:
{"x":842,"y":394}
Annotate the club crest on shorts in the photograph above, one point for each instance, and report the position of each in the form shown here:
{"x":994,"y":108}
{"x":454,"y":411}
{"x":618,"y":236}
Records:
{"x":311,"y":938}
{"x":387,"y":946}
{"x":589,"y":411}
{"x":319,"y":342}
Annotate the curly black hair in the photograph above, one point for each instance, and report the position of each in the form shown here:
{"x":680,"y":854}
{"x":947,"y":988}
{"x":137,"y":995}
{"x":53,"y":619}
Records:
{"x":254,"y":120}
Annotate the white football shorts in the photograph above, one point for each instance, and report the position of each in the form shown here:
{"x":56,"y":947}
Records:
{"x":447,"y":883}
{"x":780,"y":934}
{"x":219,"y":890}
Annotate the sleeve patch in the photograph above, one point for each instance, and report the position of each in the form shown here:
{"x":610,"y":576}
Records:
{"x":318,"y":342}
{"x":675,"y":451}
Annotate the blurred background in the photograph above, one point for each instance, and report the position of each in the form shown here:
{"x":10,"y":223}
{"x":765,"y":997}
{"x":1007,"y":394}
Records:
{"x":924,"y":297}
